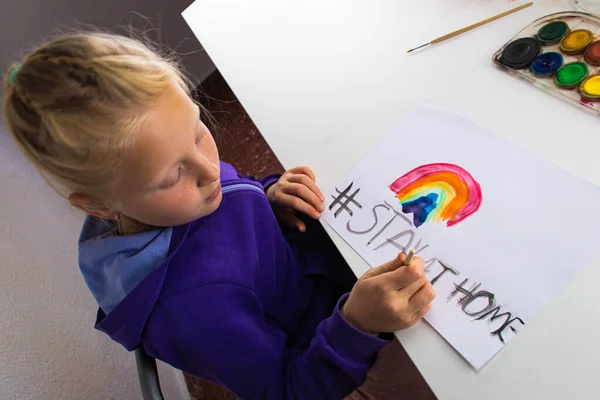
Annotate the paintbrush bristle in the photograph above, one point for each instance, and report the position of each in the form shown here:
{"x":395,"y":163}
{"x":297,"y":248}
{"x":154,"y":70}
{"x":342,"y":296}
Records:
{"x":418,"y":47}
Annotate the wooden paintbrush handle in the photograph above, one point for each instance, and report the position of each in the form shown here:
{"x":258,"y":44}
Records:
{"x":478,"y":24}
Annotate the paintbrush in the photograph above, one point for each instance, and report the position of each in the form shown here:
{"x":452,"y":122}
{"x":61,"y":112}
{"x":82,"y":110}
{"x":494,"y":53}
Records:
{"x":468,"y":28}
{"x":409,"y":257}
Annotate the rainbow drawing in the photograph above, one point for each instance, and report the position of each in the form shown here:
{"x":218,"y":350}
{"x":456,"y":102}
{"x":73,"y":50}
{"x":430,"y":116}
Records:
{"x":438,"y":192}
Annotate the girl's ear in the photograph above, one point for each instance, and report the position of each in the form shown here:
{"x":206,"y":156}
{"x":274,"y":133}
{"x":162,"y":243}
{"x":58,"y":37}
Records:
{"x":91,"y":205}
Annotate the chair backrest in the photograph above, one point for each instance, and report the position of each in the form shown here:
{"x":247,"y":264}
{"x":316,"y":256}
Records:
{"x":148,"y":375}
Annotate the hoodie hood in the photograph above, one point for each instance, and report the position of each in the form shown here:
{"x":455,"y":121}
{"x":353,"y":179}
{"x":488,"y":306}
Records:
{"x":112,"y":266}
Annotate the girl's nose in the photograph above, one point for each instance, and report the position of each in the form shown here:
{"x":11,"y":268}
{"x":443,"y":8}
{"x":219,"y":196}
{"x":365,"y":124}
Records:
{"x":206,"y":171}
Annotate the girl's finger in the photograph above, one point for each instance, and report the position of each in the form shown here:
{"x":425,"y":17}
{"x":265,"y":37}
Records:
{"x":407,"y":279}
{"x":289,"y":218}
{"x":300,"y":224}
{"x":304,"y":192}
{"x":304,"y":170}
{"x":421,"y":313}
{"x":422,"y":297}
{"x":309,"y":183}
{"x":298,"y":204}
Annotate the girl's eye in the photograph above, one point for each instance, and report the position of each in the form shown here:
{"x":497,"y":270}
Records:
{"x":174,"y":182}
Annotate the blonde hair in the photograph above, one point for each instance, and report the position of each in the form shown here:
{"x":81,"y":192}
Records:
{"x":74,"y":105}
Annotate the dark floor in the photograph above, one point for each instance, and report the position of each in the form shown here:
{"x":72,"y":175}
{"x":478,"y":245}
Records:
{"x":239,"y":141}
{"x":241,"y":144}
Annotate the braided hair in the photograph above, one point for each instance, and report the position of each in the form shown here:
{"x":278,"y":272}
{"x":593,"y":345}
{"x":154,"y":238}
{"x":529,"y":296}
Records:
{"x":75,"y":103}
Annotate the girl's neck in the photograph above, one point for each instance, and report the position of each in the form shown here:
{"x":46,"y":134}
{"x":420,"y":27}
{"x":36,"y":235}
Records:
{"x":129,"y":226}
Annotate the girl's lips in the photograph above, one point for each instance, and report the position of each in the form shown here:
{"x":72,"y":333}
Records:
{"x":214,"y":194}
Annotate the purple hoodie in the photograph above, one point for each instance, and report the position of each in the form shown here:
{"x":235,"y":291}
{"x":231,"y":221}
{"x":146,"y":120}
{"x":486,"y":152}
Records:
{"x":233,"y":299}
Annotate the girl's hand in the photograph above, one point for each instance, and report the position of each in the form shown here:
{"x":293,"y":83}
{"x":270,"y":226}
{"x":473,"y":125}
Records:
{"x":296,"y":191}
{"x":390,"y":297}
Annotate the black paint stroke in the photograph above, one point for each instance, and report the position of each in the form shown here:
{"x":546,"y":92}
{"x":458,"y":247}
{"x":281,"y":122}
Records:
{"x":400,"y":214}
{"x":396,"y":214}
{"x":397,"y":236}
{"x":343,"y":200}
{"x":445,"y":267}
{"x":459,"y":288}
{"x":420,"y":249}
{"x":508,"y":320}
{"x":491,"y":309}
{"x":372,"y":227}
{"x":491,"y":298}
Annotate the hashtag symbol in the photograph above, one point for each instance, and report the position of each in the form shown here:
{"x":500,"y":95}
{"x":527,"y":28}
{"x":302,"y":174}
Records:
{"x":343,"y":201}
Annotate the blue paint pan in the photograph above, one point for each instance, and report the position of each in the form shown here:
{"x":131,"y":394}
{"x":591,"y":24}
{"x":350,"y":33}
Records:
{"x":546,"y":64}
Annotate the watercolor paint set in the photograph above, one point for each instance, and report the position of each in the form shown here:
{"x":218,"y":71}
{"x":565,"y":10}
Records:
{"x":559,"y":53}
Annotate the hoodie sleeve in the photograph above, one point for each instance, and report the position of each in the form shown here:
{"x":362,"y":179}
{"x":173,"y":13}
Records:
{"x":265,"y":181}
{"x":230,"y":343}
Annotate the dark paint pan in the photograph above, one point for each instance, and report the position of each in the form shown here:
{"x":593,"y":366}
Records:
{"x":552,"y":33}
{"x":546,"y":64}
{"x":520,"y":53}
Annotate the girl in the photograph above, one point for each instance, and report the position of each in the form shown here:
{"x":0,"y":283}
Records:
{"x":184,"y":256}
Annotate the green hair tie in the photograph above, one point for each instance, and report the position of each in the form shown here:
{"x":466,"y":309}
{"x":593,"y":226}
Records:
{"x":13,"y":74}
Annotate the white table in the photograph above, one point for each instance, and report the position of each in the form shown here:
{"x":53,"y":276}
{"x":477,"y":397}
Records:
{"x":324,"y":80}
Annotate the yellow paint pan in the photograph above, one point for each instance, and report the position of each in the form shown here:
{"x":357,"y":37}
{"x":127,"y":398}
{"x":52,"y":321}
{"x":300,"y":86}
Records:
{"x":590,"y":88}
{"x":576,"y":41}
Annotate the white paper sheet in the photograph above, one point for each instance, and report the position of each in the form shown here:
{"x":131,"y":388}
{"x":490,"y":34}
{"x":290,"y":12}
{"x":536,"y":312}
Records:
{"x":533,"y":230}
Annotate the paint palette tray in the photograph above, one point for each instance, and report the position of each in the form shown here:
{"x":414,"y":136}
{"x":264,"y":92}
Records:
{"x":546,"y":75}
